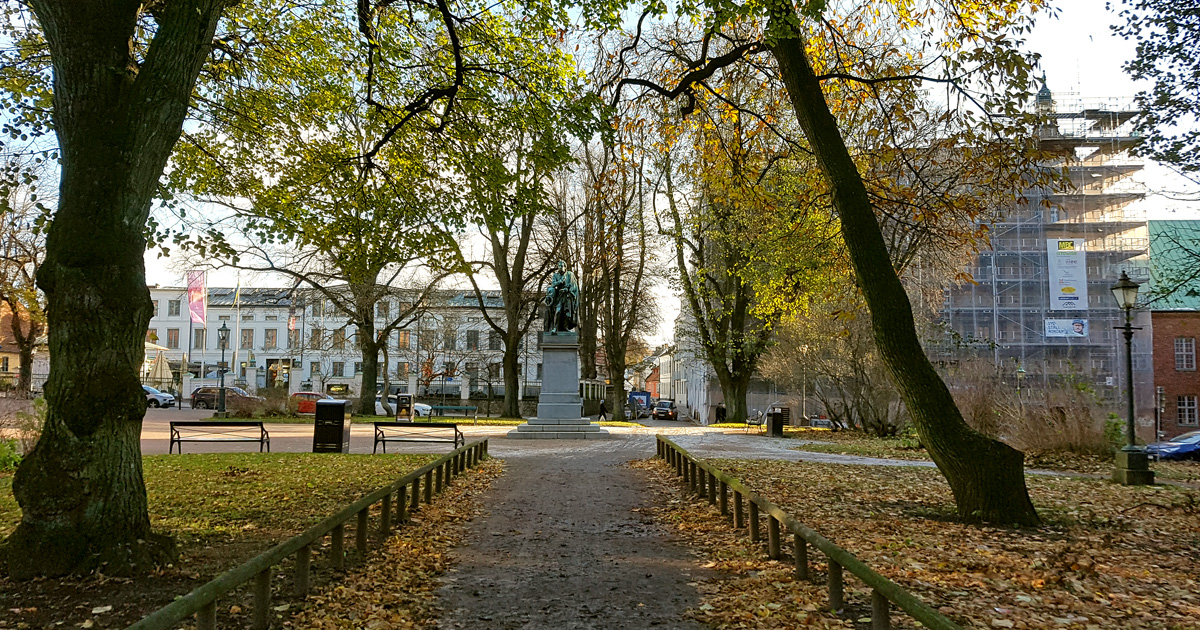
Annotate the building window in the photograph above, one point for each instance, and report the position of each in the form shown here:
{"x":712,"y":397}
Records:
{"x":402,"y":369}
{"x":1185,"y":353}
{"x":293,"y":339}
{"x":173,"y":338}
{"x":154,"y":305}
{"x":450,"y":340}
{"x":3,"y":364}
{"x":1186,"y":410}
{"x":270,"y":339}
{"x":223,"y":318}
{"x":358,"y":367}
{"x":339,"y":339}
{"x":339,"y":368}
{"x":315,"y":340}
{"x":172,"y":308}
{"x":493,"y":340}
{"x":403,"y":340}
{"x":493,"y":371}
{"x":314,"y":368}
{"x":272,"y":318}
{"x":247,"y":317}
{"x":539,"y":371}
{"x":198,"y":341}
{"x":382,"y":311}
{"x":247,"y":339}
{"x":472,"y":340}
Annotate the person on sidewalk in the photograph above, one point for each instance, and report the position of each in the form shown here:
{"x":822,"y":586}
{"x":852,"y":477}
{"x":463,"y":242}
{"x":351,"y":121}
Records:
{"x":603,"y":410}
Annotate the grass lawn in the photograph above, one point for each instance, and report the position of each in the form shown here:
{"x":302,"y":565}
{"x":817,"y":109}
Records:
{"x":222,"y":509}
{"x":1107,"y":556}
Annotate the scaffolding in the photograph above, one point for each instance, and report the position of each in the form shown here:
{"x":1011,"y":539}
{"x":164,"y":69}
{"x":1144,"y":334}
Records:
{"x":1002,"y":315}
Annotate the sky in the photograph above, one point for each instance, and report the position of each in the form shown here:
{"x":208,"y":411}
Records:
{"x":1082,"y":59}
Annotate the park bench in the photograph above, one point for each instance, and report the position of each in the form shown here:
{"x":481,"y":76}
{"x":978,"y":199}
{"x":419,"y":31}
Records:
{"x":756,"y":419}
{"x":219,"y":431}
{"x":473,"y":412}
{"x":417,"y":432}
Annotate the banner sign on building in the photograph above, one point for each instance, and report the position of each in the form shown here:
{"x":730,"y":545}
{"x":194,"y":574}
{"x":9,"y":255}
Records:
{"x":1066,"y":328}
{"x":197,"y":295}
{"x":1066,"y":265}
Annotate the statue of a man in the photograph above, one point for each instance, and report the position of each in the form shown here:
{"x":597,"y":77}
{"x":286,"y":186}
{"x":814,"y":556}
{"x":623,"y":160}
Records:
{"x":562,"y":300}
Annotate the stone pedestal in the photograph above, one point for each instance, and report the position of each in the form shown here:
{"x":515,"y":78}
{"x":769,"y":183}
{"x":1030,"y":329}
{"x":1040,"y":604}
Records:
{"x":1133,"y":469}
{"x":559,"y":405}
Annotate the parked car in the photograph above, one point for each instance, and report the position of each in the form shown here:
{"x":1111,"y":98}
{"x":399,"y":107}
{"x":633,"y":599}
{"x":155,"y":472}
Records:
{"x":206,"y":397}
{"x":419,"y":409}
{"x":666,"y":410}
{"x":1186,"y":446}
{"x":155,"y":398}
{"x":820,"y":423}
{"x":306,"y":402}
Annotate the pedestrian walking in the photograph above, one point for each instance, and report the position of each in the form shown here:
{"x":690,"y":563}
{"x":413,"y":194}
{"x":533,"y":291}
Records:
{"x":603,"y":410}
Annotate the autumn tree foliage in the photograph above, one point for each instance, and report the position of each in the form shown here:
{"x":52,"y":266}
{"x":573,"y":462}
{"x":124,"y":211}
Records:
{"x":825,"y":55}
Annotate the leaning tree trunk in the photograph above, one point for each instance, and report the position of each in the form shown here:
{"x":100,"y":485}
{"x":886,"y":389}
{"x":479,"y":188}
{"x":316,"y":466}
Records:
{"x":80,"y":489}
{"x":986,"y":476}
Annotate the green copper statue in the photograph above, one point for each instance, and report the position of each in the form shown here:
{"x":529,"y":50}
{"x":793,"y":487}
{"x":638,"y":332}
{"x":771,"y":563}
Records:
{"x":562,"y":300}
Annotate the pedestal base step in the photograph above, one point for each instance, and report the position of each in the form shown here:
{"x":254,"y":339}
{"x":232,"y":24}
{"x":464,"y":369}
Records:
{"x":558,"y":430}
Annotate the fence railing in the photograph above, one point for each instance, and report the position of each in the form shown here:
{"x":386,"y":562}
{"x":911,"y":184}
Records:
{"x":715,"y":485}
{"x":202,"y":601}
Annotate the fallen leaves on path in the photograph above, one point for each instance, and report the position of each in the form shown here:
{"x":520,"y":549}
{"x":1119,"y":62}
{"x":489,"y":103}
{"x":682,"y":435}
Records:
{"x":1107,"y":556}
{"x":396,"y":589}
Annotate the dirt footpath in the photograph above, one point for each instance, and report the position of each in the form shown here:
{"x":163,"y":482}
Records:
{"x":564,"y":546}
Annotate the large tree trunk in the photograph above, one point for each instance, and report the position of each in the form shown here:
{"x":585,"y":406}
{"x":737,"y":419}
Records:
{"x":369,"y":347}
{"x":512,"y":379}
{"x":81,"y":492}
{"x":986,"y":476}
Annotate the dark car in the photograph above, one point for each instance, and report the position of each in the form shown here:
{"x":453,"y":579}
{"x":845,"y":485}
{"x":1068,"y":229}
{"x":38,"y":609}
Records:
{"x":206,"y":397}
{"x":666,"y":410}
{"x":1186,"y":446}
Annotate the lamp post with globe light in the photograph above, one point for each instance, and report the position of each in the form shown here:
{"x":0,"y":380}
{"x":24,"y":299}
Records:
{"x":1132,"y":463}
{"x":223,"y":341}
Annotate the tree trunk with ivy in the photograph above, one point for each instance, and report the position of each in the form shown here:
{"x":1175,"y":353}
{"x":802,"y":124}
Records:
{"x":117,"y":117}
{"x":986,"y":476}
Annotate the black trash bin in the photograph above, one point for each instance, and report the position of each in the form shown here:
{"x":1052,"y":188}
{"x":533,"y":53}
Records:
{"x":404,"y":407}
{"x":777,"y":418}
{"x":331,"y":427}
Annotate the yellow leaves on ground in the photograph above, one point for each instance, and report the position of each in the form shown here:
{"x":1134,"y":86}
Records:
{"x":396,"y":589}
{"x":1107,"y":557}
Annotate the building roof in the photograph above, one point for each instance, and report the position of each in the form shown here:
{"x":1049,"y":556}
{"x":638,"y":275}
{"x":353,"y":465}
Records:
{"x":1174,"y":261}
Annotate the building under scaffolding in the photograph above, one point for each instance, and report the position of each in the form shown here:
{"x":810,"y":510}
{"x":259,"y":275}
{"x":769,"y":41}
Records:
{"x":1042,"y":301}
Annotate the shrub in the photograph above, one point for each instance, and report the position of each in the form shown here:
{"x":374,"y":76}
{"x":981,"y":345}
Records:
{"x":10,"y":455}
{"x":30,"y":423}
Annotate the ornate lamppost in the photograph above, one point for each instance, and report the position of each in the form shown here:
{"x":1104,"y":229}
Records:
{"x":1132,"y":463}
{"x":223,"y":341}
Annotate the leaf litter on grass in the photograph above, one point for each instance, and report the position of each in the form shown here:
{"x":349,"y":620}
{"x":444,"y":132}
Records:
{"x":1107,"y":556}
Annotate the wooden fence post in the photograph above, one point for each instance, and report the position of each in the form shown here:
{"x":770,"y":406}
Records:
{"x":880,"y":615}
{"x":416,"y":495}
{"x":800,"y":551}
{"x":303,"y":562}
{"x":755,"y":534}
{"x":206,"y":617}
{"x":836,"y":600}
{"x":262,"y":600}
{"x":360,"y":534}
{"x":712,"y":489}
{"x":337,"y":546}
{"x":724,"y":499}
{"x":739,"y":518}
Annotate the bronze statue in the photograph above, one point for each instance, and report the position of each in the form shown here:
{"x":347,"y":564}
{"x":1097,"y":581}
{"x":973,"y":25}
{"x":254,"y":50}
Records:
{"x":562,"y":300}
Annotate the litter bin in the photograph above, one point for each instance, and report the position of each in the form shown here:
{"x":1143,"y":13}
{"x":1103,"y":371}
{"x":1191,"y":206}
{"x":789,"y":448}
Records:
{"x":331,"y":427}
{"x":777,"y":418}
{"x":404,"y":407}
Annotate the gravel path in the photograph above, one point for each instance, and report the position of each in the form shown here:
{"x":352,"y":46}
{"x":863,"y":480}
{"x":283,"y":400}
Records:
{"x":564,"y":545}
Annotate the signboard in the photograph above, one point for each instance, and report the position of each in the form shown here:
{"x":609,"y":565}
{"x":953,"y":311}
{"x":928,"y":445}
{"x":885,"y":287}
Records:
{"x":1066,"y":328}
{"x":1066,"y":264}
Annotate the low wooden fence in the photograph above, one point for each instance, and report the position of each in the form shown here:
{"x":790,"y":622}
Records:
{"x":715,"y":485}
{"x":202,"y":601}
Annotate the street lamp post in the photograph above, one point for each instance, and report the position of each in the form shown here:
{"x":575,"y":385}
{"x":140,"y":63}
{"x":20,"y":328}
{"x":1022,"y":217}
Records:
{"x":1132,"y":464}
{"x":223,"y":341}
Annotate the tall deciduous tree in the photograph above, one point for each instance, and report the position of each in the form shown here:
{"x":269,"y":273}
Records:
{"x":978,"y":58}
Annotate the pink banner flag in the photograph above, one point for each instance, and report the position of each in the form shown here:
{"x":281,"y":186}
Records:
{"x":197,"y":296}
